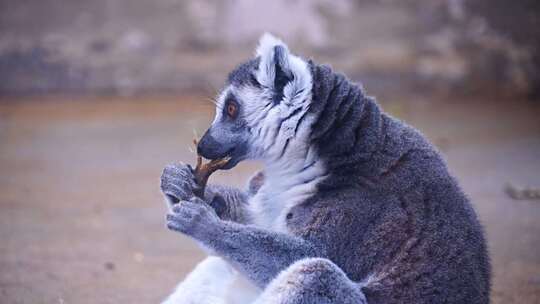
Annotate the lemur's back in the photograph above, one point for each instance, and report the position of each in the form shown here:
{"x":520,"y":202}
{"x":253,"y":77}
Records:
{"x":392,"y":217}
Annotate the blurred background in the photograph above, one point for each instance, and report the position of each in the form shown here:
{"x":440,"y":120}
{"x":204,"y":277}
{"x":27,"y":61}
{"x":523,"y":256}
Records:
{"x":96,"y":97}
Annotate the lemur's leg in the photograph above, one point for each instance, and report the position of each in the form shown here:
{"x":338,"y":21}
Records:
{"x":229,"y":203}
{"x":312,"y":280}
{"x":258,"y":253}
{"x":208,"y":283}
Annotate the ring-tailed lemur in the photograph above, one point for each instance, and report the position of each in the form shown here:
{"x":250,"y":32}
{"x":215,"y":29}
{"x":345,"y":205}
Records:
{"x":353,"y":206}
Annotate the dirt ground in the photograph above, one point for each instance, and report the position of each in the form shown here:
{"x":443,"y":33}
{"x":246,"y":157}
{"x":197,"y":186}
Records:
{"x":82,"y":219}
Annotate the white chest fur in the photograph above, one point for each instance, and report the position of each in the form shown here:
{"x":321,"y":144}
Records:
{"x":282,"y":190}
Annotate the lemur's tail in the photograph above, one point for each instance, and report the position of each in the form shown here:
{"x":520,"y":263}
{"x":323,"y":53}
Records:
{"x":208,"y":283}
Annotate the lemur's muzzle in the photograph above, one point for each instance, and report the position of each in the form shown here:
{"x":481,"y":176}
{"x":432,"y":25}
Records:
{"x":210,"y":148}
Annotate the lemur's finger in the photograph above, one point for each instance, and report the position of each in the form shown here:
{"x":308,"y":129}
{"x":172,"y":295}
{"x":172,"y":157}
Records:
{"x":174,"y":225}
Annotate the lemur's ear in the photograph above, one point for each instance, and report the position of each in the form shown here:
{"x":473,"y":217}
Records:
{"x":279,"y":70}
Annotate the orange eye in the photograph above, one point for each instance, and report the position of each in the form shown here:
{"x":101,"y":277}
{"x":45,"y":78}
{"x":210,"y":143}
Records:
{"x":231,"y":109}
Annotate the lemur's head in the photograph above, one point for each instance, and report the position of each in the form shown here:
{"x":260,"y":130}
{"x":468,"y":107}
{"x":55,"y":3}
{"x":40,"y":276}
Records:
{"x":259,"y":112}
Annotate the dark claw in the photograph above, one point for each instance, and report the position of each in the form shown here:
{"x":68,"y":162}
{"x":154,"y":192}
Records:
{"x":172,"y":226}
{"x":173,"y":199}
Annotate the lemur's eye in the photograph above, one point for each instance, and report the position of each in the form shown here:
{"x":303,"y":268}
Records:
{"x":232,"y":109}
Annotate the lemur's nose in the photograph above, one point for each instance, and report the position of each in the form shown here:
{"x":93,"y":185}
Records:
{"x":208,"y":147}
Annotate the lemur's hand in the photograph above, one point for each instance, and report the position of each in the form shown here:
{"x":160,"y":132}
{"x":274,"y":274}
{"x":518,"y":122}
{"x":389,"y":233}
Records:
{"x":178,"y":182}
{"x":193,"y":217}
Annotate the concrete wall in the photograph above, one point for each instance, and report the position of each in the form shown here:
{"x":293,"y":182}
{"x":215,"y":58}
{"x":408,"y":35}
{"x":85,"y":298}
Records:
{"x":133,"y":46}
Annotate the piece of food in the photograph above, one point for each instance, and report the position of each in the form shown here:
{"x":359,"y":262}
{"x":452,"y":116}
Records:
{"x":203,"y":171}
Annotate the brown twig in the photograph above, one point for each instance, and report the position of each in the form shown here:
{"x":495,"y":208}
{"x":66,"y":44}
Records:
{"x":203,"y":171}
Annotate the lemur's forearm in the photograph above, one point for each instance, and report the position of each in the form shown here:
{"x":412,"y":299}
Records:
{"x":259,"y":253}
{"x":230,"y":203}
